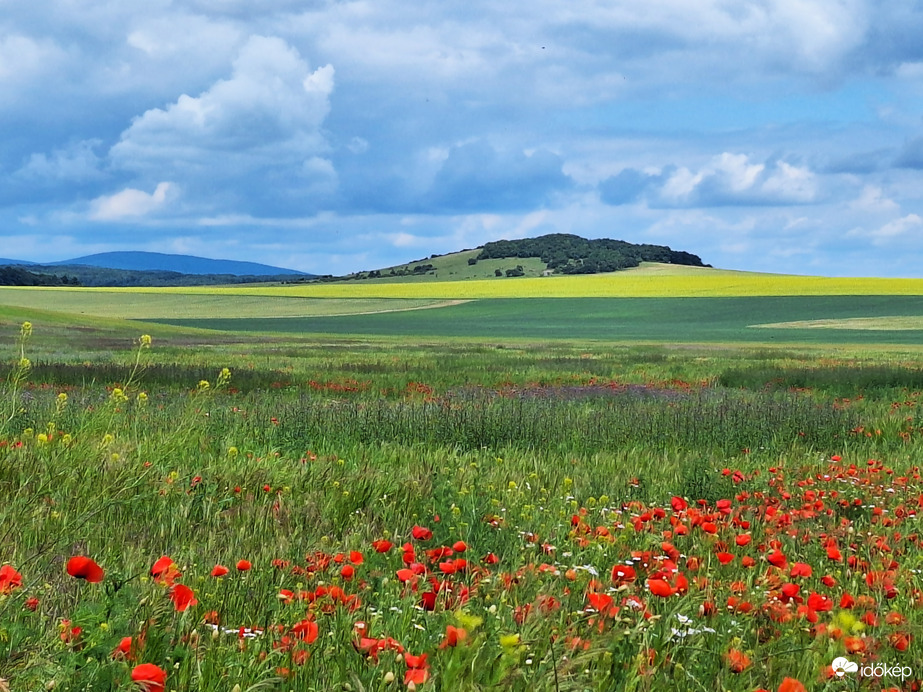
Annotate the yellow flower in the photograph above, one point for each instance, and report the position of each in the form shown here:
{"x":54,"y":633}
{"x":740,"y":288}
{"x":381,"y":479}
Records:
{"x":509,"y":642}
{"x":26,"y":329}
{"x":468,"y":621}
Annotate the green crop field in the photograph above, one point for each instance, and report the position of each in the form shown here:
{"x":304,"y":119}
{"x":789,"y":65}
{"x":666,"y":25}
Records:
{"x":745,"y":319}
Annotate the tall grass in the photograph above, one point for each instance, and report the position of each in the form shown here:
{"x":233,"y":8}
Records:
{"x":512,"y":452}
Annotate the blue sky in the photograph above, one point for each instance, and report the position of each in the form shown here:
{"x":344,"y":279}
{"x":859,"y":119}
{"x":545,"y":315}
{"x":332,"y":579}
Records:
{"x":769,"y":135}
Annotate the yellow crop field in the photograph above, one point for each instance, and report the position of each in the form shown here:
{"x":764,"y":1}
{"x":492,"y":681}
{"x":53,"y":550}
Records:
{"x":351,"y":298}
{"x":194,"y":303}
{"x":653,"y":282}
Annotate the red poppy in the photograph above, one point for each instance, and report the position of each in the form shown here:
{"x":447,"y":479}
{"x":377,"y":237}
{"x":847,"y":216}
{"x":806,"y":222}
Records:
{"x":737,"y":660}
{"x":459,"y":546}
{"x":9,"y":579}
{"x":777,"y":559}
{"x":600,"y":602}
{"x":182,"y":597}
{"x":417,"y":676}
{"x":306,"y":631}
{"x":819,"y":602}
{"x":801,"y":569}
{"x":659,"y":587}
{"x":150,"y":677}
{"x":161,"y":566}
{"x":382,"y":546}
{"x":416,"y":661}
{"x":123,"y":650}
{"x":348,"y":572}
{"x":243,"y":565}
{"x":453,"y":635}
{"x":623,"y":574}
{"x":165,"y":572}
{"x":421,"y":533}
{"x":219,"y":571}
{"x":791,"y":685}
{"x":81,"y":567}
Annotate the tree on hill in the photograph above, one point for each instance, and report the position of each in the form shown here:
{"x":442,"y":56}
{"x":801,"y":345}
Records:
{"x":570,"y":254}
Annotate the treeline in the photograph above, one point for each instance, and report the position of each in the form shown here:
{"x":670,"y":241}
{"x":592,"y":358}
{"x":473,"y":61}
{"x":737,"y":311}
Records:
{"x":570,"y":254}
{"x":416,"y":270}
{"x":103,"y":277}
{"x":17,"y":276}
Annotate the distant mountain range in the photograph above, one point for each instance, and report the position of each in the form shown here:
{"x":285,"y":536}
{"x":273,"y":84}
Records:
{"x":157,"y":261}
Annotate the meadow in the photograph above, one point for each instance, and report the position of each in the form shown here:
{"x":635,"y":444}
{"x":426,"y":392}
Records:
{"x":484,"y":508}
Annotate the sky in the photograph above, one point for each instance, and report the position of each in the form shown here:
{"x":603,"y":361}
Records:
{"x":329,"y":137}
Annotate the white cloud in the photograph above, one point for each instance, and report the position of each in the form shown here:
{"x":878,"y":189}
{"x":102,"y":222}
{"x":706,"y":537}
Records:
{"x":733,"y":179}
{"x":23,"y":59}
{"x":78,"y":162}
{"x":872,"y":199}
{"x":252,"y":139}
{"x":898,"y":228}
{"x":130,"y":203}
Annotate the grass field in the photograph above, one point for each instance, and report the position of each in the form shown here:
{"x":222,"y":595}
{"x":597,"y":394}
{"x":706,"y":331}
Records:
{"x":398,"y":514}
{"x":622,"y":319}
{"x":455,"y":267}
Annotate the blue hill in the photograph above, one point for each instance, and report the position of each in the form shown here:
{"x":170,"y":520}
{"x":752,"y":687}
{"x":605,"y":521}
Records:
{"x":184,"y":264}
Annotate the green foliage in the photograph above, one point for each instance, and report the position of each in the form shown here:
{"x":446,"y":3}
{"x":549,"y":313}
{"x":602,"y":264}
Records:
{"x":85,"y":275}
{"x":17,"y":276}
{"x":571,"y":254}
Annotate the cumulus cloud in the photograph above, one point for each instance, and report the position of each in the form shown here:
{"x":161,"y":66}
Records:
{"x":726,"y":180}
{"x":872,"y":199}
{"x":130,"y":203}
{"x":898,"y":228}
{"x":78,"y":162}
{"x":23,"y":58}
{"x":253,"y":141}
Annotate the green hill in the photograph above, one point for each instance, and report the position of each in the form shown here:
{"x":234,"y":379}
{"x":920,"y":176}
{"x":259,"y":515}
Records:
{"x":556,"y":253}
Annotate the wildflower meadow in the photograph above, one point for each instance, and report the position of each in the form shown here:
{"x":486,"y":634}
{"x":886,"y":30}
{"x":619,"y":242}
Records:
{"x":323,"y":514}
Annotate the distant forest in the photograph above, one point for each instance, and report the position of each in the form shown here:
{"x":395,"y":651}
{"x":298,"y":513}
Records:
{"x":83,"y":275}
{"x":17,"y":276}
{"x":571,"y":254}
